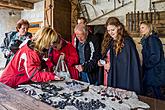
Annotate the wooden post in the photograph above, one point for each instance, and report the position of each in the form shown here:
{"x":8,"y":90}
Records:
{"x":134,"y":21}
{"x":154,"y":19}
{"x":131,"y":21}
{"x":138,"y":18}
{"x":142,"y":16}
{"x":74,"y":14}
{"x":150,"y":14}
{"x":48,"y":13}
{"x":146,"y":16}
{"x":128,"y":21}
{"x":114,"y":4}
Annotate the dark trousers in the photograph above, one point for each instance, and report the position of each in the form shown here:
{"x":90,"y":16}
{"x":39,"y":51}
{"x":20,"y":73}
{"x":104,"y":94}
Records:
{"x":154,"y":92}
{"x":85,"y":78}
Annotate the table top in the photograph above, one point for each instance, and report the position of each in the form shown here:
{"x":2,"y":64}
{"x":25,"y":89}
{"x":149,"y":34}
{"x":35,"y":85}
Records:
{"x":10,"y":99}
{"x":154,"y":104}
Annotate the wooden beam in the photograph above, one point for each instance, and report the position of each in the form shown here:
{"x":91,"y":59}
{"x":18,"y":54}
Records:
{"x":159,"y":1}
{"x":18,"y":4}
{"x":48,"y":13}
{"x":9,"y":7}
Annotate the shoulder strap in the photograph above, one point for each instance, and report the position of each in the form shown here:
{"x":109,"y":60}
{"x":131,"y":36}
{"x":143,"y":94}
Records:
{"x":58,"y":63}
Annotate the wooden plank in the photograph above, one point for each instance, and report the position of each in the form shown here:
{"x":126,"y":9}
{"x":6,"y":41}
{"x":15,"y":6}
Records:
{"x":48,"y":13}
{"x":158,"y":1}
{"x":16,"y":4}
{"x":11,"y":7}
{"x":10,"y":99}
{"x":155,"y":104}
{"x":128,"y":21}
{"x":132,"y":22}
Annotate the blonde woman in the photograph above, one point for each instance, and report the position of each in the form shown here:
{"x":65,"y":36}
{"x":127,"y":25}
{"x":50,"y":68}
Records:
{"x":153,"y":61}
{"x":26,"y":64}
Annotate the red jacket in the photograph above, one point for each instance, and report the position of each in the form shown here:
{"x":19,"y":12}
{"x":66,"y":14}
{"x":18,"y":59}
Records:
{"x":74,"y":40}
{"x":25,"y":67}
{"x":71,"y":59}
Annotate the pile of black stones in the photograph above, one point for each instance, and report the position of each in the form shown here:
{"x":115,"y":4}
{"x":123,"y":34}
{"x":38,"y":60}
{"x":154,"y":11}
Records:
{"x":114,"y":96}
{"x":52,"y":91}
{"x":30,"y":92}
{"x":80,"y":105}
{"x":73,"y":82}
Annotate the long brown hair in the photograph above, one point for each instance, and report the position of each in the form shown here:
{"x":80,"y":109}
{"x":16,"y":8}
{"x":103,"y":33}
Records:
{"x":119,"y":42}
{"x":105,"y":43}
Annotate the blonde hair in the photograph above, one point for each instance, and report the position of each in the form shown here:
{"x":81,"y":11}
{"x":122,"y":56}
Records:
{"x":44,"y":38}
{"x":150,"y":26}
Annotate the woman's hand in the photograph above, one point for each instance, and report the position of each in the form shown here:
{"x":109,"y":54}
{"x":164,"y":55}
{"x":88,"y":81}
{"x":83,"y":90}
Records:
{"x":101,"y":63}
{"x":62,"y":55}
{"x":59,"y":78}
{"x":107,"y":66}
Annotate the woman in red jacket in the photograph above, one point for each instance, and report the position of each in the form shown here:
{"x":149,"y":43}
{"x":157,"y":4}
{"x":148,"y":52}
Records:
{"x":69,"y":54}
{"x":26,"y":64}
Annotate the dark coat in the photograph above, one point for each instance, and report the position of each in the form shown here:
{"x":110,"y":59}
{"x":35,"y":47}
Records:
{"x":153,"y":61}
{"x":125,"y":70}
{"x":11,"y":44}
{"x":92,"y":55}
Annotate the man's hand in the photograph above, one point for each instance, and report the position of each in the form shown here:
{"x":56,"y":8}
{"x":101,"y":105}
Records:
{"x":79,"y":68}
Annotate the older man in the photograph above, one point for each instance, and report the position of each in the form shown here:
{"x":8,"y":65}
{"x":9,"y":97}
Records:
{"x":89,"y":53}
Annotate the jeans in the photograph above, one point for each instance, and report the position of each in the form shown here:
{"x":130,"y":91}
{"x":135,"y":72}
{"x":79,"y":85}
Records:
{"x":84,"y":77}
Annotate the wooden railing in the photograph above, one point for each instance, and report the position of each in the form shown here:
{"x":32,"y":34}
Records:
{"x":157,"y":18}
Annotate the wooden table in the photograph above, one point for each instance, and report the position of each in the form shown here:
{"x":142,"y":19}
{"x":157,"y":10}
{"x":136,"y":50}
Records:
{"x":154,"y":103}
{"x":10,"y":99}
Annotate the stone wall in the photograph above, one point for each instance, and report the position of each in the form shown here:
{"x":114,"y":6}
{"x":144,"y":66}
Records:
{"x":7,"y":23}
{"x":36,"y":14}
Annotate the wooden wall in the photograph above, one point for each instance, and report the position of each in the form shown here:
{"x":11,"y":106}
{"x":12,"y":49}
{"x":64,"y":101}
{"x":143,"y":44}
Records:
{"x":62,"y":18}
{"x":58,"y":16}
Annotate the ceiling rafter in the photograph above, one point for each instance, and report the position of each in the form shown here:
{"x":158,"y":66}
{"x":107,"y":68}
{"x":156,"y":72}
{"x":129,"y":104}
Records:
{"x":17,"y":4}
